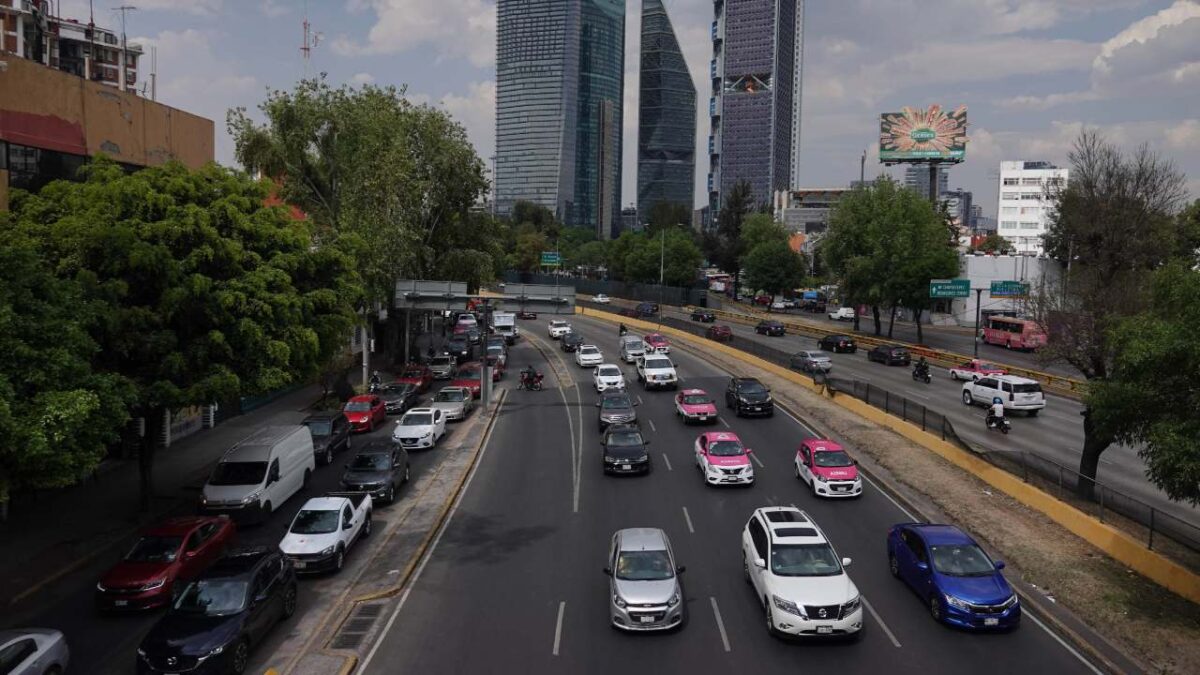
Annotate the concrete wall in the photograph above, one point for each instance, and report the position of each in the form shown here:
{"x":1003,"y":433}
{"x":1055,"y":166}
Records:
{"x":982,"y":270}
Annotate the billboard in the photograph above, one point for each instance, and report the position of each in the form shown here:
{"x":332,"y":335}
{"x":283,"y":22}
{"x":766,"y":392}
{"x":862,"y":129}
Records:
{"x":916,"y":135}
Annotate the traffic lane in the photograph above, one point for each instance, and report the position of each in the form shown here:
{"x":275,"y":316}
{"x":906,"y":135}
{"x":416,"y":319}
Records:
{"x":857,"y":528}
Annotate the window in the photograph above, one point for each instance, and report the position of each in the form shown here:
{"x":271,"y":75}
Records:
{"x":1031,"y":181}
{"x":12,"y":655}
{"x":913,"y":542}
{"x":759,"y":537}
{"x":1010,"y":195}
{"x":1009,"y":210}
{"x":1008,"y":225}
{"x":1010,"y":181}
{"x":1030,"y":196}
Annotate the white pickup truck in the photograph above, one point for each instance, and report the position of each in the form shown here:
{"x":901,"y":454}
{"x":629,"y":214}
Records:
{"x":325,"y":528}
{"x":655,"y":371}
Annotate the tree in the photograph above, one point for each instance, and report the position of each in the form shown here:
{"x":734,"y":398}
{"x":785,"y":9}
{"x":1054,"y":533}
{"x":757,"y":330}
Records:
{"x":922,"y":254}
{"x":993,"y":243}
{"x":1113,"y":223}
{"x":668,"y":214}
{"x":640,"y":257}
{"x":203,"y":294}
{"x":774,"y":267}
{"x":727,"y":252}
{"x":537,"y":215}
{"x":1149,"y":397}
{"x":761,"y":228}
{"x":526,"y":252}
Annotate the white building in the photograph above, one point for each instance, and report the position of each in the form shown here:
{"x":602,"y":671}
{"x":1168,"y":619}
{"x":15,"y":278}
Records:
{"x":1024,"y":211}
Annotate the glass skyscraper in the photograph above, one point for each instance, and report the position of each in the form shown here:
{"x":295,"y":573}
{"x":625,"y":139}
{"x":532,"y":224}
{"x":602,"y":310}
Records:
{"x":666,"y":116}
{"x":601,"y":105}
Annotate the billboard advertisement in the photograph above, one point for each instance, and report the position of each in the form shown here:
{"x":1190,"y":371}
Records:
{"x":921,"y":135}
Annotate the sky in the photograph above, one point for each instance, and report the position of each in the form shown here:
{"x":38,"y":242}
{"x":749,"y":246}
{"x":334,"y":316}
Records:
{"x":1033,"y":73}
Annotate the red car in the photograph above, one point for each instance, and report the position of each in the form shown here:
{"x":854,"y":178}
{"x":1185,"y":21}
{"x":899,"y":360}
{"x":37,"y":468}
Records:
{"x":469,"y":375}
{"x":417,"y":375}
{"x":764,"y":300}
{"x":526,"y":315}
{"x":720,"y":333}
{"x":178,"y":549}
{"x":497,"y":364}
{"x":365,"y":411}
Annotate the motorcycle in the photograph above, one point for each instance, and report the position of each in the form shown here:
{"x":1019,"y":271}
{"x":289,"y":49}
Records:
{"x":1000,"y":424}
{"x":922,"y":374}
{"x":531,"y":382}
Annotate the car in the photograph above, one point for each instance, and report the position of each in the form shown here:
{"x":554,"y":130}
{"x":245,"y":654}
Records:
{"x":497,"y":365}
{"x":325,"y":529}
{"x":330,"y":433}
{"x":615,"y":407}
{"x":655,"y":343}
{"x":601,"y":299}
{"x":454,"y":402}
{"x":499,"y":353}
{"x":656,"y":371}
{"x":890,"y":355}
{"x":608,"y":376}
{"x":420,"y":428}
{"x":398,"y":398}
{"x":703,"y":316}
{"x":466,"y":319}
{"x":770,"y":327}
{"x":378,"y":469}
{"x":812,"y":361}
{"x":165,"y":555}
{"x":588,"y":356}
{"x":365,"y":411}
{"x":843,"y":314}
{"x":558,"y":328}
{"x":798,"y":577}
{"x":261,"y":471}
{"x":781,"y":305}
{"x":764,"y":300}
{"x":459,"y":329}
{"x":442,"y":366}
{"x":624,"y":450}
{"x":958,"y":582}
{"x":527,"y":315}
{"x":975,"y":369}
{"x":629,"y":312}
{"x":416,"y":374}
{"x":632,"y":348}
{"x":838,"y":344}
{"x":695,"y":405}
{"x":721,"y":333}
{"x":33,"y":651}
{"x":748,"y":396}
{"x":723,"y":460}
{"x":644,"y":593}
{"x":474,"y":335}
{"x":827,"y":469}
{"x":570,"y":342}
{"x":1017,"y":393}
{"x":469,"y":375}
{"x":496,"y":342}
{"x":460,"y":348}
{"x":647,"y":309}
{"x":219,"y":617}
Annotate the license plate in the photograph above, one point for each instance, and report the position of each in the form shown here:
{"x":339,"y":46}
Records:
{"x":991,"y":622}
{"x":646,"y":619}
{"x":824,"y":630}
{"x":626,"y":467}
{"x":701,"y":417}
{"x":299,"y":564}
{"x":120,"y":603}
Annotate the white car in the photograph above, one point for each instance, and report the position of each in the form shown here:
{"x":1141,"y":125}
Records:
{"x":420,"y":428}
{"x":842,"y":314}
{"x":781,"y":304}
{"x":608,"y":376}
{"x":558,"y":328}
{"x":33,"y":651}
{"x":325,"y":528}
{"x":1017,"y":393}
{"x":656,"y":370}
{"x":601,"y":299}
{"x":588,"y":356}
{"x":798,"y":577}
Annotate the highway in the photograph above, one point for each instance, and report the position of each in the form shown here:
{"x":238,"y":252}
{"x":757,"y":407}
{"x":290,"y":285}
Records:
{"x":514,"y":584}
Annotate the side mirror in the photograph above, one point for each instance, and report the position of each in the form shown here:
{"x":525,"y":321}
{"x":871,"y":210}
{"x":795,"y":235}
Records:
{"x":347,"y":526}
{"x":923,"y":566}
{"x":760,"y":563}
{"x":597,"y":404}
{"x":261,"y":598}
{"x":607,"y":571}
{"x":748,"y":451}
{"x":681,"y":569}
{"x":999,"y":564}
{"x":636,"y":404}
{"x":846,"y":562}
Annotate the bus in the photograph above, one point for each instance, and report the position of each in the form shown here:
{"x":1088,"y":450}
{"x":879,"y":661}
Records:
{"x":1013,"y":333}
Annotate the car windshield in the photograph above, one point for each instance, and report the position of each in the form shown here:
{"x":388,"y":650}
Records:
{"x":358,"y":406}
{"x":644,"y":566}
{"x":658,"y":363}
{"x":373,"y":462}
{"x":752,"y":388}
{"x":495,"y":350}
{"x":588,"y":350}
{"x":817,"y":356}
{"x":899,"y":351}
{"x":614,"y":402}
{"x":449,"y":396}
{"x":804,"y":560}
{"x":1030,"y":388}
{"x":315,"y":522}
{"x":155,"y":548}
{"x":696,"y":399}
{"x":961,"y":560}
{"x":726,"y":448}
{"x":441,"y":361}
{"x":610,"y":371}
{"x":468,"y":374}
{"x":557,"y":324}
{"x":320,"y":427}
{"x":397,"y":389}
{"x":414,"y":372}
{"x":832,"y":458}
{"x":457,"y":342}
{"x":213,"y":597}
{"x":420,"y":420}
{"x":238,"y":473}
{"x":624,"y":439}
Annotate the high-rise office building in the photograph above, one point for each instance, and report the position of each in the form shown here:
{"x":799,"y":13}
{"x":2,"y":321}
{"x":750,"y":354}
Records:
{"x":599,"y":132}
{"x":916,"y":178}
{"x":754,"y":105}
{"x":666,"y":115}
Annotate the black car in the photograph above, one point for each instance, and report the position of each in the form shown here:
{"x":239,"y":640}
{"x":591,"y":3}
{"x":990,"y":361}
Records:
{"x":647,"y":309}
{"x":524,"y":314}
{"x":474,"y":335}
{"x":770,"y":328}
{"x":571,"y":341}
{"x":748,"y":396}
{"x":379,"y":469}
{"x":615,"y":407}
{"x":399,"y":397}
{"x":625,"y":450}
{"x":212,"y":625}
{"x":890,"y":355}
{"x":460,"y":348}
{"x":703,"y":316}
{"x":330,"y":433}
{"x":838,"y":344}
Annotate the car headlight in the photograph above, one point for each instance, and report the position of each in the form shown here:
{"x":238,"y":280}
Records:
{"x":611,"y":460}
{"x":328,"y":550}
{"x":1012,"y":600}
{"x":252,"y":497}
{"x":674,"y":599}
{"x":955,"y":602}
{"x":100,"y":587}
{"x":619,"y":601}
{"x":141,"y":652}
{"x":427,"y":434}
{"x":743,"y":399}
{"x":822,"y":479}
{"x":788,"y":606}
{"x":217,"y":650}
{"x":849,"y":607}
{"x":157,"y":583}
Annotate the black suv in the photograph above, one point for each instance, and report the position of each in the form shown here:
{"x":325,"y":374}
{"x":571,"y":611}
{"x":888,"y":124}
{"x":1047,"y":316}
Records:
{"x":330,"y":433}
{"x":703,"y":316}
{"x":625,"y":450}
{"x":770,"y":328}
{"x":838,"y":344}
{"x":220,"y":615}
{"x":890,"y":355}
{"x":647,"y":309}
{"x":616,"y":407}
{"x":748,"y":396}
{"x":398,"y":397}
{"x":460,"y":348}
{"x":571,"y":341}
{"x":379,"y":469}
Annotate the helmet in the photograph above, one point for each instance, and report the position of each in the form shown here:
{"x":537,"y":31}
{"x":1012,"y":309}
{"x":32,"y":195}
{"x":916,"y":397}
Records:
{"x":997,"y":400}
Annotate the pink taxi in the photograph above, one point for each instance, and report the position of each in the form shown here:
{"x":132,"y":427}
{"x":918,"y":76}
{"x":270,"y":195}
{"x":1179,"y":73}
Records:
{"x":828,"y":470}
{"x":656,"y":343}
{"x":723,"y":460}
{"x":695,"y":405}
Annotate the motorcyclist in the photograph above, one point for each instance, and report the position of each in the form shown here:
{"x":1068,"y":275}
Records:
{"x":995,"y":416}
{"x":622,"y":330}
{"x":528,"y":373}
{"x":922,"y":366}
{"x":375,"y":382}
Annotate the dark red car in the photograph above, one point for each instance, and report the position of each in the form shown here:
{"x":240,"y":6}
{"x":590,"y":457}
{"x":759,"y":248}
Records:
{"x":523,"y":314}
{"x":365,"y":411}
{"x":175,"y":550}
{"x":630,"y":312}
{"x":764,"y":300}
{"x":417,"y":375}
{"x":720,"y":333}
{"x":497,"y":365}
{"x":469,"y":375}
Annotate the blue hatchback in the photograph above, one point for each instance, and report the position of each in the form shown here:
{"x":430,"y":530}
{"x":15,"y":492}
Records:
{"x":958,"y":581}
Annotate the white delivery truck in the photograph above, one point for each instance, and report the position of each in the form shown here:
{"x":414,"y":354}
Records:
{"x":505,"y":323}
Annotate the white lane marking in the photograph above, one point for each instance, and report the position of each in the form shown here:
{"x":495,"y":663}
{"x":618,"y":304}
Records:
{"x":724,"y":422}
{"x":890,"y":499}
{"x":879,"y":620}
{"x":667,"y":460}
{"x":757,"y":461}
{"x":1065,"y":646}
{"x":720,"y":623}
{"x":562,"y":606}
{"x":652,"y":427}
{"x":689,"y":521}
{"x":575,"y":468}
{"x":640,"y":400}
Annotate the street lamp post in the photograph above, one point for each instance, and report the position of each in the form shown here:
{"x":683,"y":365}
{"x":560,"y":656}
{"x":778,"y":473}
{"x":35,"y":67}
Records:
{"x":978,"y":306}
{"x":662,"y":257}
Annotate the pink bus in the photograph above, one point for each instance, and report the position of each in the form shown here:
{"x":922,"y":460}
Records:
{"x":1013,"y":333}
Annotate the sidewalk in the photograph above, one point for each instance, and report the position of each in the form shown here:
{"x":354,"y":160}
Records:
{"x":60,"y":531}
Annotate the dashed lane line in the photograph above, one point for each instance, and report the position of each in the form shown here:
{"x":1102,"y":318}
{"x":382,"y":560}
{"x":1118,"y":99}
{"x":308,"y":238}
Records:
{"x":688,"y":518}
{"x":720,"y":623}
{"x":562,"y":607}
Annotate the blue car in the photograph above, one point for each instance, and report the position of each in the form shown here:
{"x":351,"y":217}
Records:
{"x":958,"y":581}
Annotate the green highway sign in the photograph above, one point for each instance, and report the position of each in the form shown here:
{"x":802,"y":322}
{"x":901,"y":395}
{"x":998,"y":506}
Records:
{"x":1009,"y":289}
{"x":950,"y":288}
{"x":551,"y":258}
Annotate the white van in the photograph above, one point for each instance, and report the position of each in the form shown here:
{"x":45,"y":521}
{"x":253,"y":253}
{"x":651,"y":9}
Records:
{"x":260,"y":473}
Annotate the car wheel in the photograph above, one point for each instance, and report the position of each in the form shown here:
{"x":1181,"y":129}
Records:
{"x":967,"y":398}
{"x":240,"y":657}
{"x":894,"y":566}
{"x":327,"y":458}
{"x":390,"y":495}
{"x":770,"y":618}
{"x":289,"y":602}
{"x":935,"y":609}
{"x":367,"y":527}
{"x":954,"y":376}
{"x":339,"y":561}
{"x":407,"y":470}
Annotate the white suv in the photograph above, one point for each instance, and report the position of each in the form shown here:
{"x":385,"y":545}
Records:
{"x":588,"y":356}
{"x":558,"y":328}
{"x":656,"y":371}
{"x":1017,"y":393}
{"x":797,"y":576}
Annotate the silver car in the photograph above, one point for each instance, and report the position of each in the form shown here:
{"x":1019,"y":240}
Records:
{"x":812,"y":361}
{"x":442,"y":366}
{"x":454,"y":402}
{"x":644,"y":589}
{"x":33,"y":651}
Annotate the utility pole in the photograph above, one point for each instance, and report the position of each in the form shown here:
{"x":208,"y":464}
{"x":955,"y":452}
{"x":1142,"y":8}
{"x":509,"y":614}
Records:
{"x":662,"y":257}
{"x":978,"y":307}
{"x":124,"y":10}
{"x":862,"y":168}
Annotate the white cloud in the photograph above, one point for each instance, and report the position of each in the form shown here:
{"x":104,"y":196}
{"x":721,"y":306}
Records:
{"x":450,"y":28}
{"x":1184,"y":136}
{"x":476,"y":111}
{"x":272,"y":8}
{"x":359,"y":79}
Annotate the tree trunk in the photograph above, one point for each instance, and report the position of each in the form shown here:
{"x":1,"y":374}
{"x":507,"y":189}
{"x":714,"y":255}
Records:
{"x":878,"y":323}
{"x":1094,"y":444}
{"x":891,"y":322}
{"x":920,"y":333}
{"x":856,"y":319}
{"x":146,"y":452}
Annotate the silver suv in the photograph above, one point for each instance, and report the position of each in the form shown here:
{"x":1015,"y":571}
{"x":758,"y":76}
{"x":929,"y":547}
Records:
{"x":644,"y":589}
{"x":632,"y":348}
{"x":616,"y":407}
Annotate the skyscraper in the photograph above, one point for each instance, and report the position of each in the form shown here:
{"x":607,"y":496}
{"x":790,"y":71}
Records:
{"x":666,"y":116}
{"x":754,"y":105}
{"x":916,"y":178}
{"x":600,"y":117}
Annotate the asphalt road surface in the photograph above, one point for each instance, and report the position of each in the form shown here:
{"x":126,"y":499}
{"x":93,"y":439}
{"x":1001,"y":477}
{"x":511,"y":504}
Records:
{"x":514,"y":582}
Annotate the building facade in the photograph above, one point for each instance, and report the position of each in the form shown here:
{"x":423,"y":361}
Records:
{"x":754,"y":101}
{"x":805,"y":212}
{"x":30,"y":30}
{"x":598,"y":142}
{"x":959,"y":204}
{"x":1025,"y":203}
{"x":666,"y":170}
{"x":916,"y":178}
